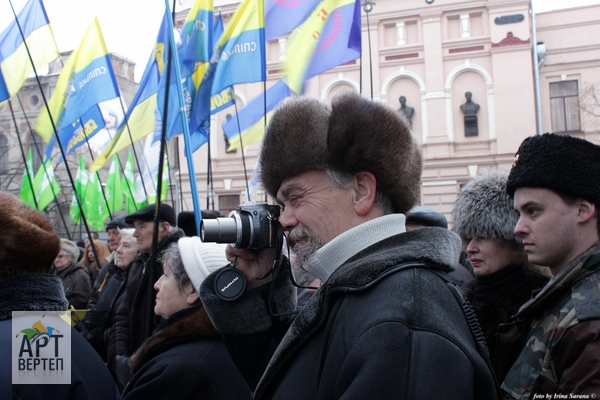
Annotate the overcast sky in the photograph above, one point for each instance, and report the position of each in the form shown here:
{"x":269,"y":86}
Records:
{"x":130,"y":26}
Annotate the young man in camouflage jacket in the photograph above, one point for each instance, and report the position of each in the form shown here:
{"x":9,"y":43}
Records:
{"x":555,"y":181}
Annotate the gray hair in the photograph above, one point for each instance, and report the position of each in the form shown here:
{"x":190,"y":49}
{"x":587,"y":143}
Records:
{"x":171,"y":258}
{"x":344,"y":179}
{"x":127,"y":232}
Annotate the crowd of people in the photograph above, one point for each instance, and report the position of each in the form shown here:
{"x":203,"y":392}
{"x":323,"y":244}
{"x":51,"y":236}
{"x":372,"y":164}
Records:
{"x":390,"y":304}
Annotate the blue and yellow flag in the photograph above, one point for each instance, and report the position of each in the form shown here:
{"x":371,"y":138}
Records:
{"x":340,"y":40}
{"x":241,"y":49}
{"x":86,"y":80}
{"x":282,"y":17}
{"x":193,"y":57}
{"x":303,"y":41}
{"x":15,"y":65}
{"x":143,"y":114}
{"x":238,"y":57}
{"x":250,"y":118}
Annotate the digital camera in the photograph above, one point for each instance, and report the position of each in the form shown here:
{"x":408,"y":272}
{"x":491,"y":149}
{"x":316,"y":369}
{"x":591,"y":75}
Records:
{"x":251,"y":226}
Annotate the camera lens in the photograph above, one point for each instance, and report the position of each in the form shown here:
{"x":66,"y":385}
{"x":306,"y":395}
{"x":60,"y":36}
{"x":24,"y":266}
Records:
{"x":219,"y":230}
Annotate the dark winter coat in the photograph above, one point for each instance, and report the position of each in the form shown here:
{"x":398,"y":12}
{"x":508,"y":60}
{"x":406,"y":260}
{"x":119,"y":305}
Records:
{"x":100,"y":315}
{"x":185,"y":358}
{"x":135,"y":319}
{"x":89,"y":377}
{"x":499,"y":296}
{"x":376,"y":329}
{"x":76,"y":282}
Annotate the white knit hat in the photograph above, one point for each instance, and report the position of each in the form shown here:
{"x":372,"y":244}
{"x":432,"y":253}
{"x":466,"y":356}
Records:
{"x":201,"y":259}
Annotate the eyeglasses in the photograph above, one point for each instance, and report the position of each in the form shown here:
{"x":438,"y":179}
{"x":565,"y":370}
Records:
{"x":61,"y":256}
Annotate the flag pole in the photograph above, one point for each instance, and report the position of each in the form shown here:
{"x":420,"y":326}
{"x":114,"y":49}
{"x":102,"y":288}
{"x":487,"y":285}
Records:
{"x":242,"y":148}
{"x":29,"y":173}
{"x":37,"y":151}
{"x":184,"y":119}
{"x":60,"y":146}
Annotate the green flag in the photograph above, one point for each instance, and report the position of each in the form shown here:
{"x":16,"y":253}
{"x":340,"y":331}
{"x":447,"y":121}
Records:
{"x":95,"y":208}
{"x":164,"y":186}
{"x":128,"y":185}
{"x":114,"y":193}
{"x":45,"y":185}
{"x":81,"y":181}
{"x":26,"y":184}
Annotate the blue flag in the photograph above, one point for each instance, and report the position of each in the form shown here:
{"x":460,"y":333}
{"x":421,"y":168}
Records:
{"x":250,"y":118}
{"x":15,"y":64}
{"x":282,"y":17}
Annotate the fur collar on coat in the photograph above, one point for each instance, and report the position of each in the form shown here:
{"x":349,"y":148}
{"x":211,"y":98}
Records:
{"x":186,"y":325}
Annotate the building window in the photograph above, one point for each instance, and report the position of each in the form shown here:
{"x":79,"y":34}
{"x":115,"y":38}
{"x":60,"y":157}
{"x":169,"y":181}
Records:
{"x":3,"y":153}
{"x":564,"y":106}
{"x":228,"y":203}
{"x":37,"y":146}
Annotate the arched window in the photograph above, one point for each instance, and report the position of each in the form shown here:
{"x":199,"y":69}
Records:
{"x":37,"y":148}
{"x":3,"y":153}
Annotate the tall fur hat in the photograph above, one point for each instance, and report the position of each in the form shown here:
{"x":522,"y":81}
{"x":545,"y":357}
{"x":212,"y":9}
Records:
{"x":354,"y":134}
{"x":562,"y":163}
{"x":25,"y":228}
{"x":484,"y":209}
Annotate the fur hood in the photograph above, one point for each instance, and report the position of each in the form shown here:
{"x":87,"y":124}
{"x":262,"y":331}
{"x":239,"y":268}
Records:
{"x":186,"y":325}
{"x":25,"y":228}
{"x":351,"y":135}
{"x":483,"y":208}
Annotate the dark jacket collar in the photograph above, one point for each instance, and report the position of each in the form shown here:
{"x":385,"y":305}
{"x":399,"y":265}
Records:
{"x":188,"y":324}
{"x":31,"y":292}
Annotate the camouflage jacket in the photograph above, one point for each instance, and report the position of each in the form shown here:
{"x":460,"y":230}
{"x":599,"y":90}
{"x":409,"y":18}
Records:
{"x":561,"y":328}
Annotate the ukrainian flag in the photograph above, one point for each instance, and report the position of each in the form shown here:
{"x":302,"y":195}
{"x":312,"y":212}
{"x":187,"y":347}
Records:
{"x":15,"y":65}
{"x":86,"y":80}
{"x":241,"y":49}
{"x":141,"y":118}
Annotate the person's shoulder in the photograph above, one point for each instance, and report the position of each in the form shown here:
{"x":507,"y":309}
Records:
{"x":586,"y":297}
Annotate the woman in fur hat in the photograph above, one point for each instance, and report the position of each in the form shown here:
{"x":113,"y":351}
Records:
{"x":25,"y":285}
{"x":185,"y":358}
{"x":485,"y":219}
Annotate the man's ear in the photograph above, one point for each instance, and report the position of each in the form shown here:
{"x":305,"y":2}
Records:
{"x":586,"y":210}
{"x":365,"y":189}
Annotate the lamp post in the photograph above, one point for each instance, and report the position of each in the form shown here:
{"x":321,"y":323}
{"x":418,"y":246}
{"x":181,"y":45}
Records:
{"x":368,"y":7}
{"x":537,"y":63}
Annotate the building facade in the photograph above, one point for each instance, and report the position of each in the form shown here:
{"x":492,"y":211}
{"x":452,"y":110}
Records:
{"x":433,"y":55}
{"x":464,"y":71}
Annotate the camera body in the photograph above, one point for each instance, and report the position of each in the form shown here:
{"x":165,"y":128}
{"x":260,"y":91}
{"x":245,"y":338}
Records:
{"x":251,"y":226}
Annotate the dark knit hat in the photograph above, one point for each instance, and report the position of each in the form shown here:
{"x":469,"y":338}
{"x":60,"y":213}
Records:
{"x":426,"y":216}
{"x":354,"y":134}
{"x":25,"y":228}
{"x":484,"y":209}
{"x":562,"y":163}
{"x":118,"y":223}
{"x":166,"y":214}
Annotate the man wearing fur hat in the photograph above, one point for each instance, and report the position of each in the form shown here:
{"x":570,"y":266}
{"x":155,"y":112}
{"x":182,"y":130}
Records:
{"x":25,"y":285}
{"x":555,"y":181}
{"x":386,"y":323}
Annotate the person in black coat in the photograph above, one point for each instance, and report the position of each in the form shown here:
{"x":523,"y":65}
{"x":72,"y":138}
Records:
{"x":135,"y":319}
{"x":25,"y":285}
{"x":387,"y":321}
{"x":485,"y":220}
{"x":185,"y":358}
{"x":100,"y":316}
